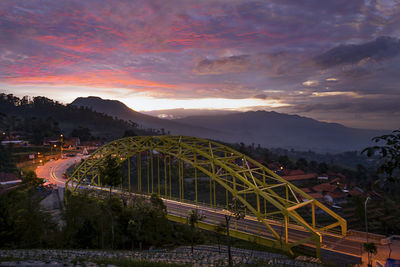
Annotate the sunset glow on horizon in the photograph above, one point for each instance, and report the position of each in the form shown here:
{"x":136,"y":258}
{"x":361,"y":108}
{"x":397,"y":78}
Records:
{"x":149,"y":104}
{"x":239,"y":55}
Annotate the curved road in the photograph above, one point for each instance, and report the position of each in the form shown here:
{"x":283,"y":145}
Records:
{"x":53,"y":170}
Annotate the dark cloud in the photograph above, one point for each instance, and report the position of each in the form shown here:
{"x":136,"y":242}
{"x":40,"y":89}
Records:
{"x":189,"y":49}
{"x":379,"y":49}
{"x":356,"y":72}
{"x":224,"y":65}
{"x":346,"y":102}
{"x":261,"y":96}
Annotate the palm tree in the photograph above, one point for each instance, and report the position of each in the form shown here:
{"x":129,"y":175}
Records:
{"x":370,"y":248}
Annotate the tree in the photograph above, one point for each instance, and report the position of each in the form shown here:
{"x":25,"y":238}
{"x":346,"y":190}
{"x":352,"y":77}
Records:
{"x":388,"y":153}
{"x":193,"y":218}
{"x":129,"y":133}
{"x":149,"y":224}
{"x":110,"y":173}
{"x":158,"y":203}
{"x":236,"y":210}
{"x":83,"y":133}
{"x":284,"y":160}
{"x":23,"y":223}
{"x":6,"y":162}
{"x":370,"y":248}
{"x":84,"y":222}
{"x":323,"y":167}
{"x":219,"y":230}
{"x":30,"y":178}
{"x":302,"y":164}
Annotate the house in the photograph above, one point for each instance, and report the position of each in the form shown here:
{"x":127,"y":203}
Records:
{"x":306,"y":190}
{"x":325,"y":187}
{"x":90,"y":145}
{"x":318,"y":196}
{"x":332,"y":194}
{"x":288,"y":172}
{"x":14,"y":135}
{"x":273,"y":166}
{"x":300,"y":178}
{"x":71,"y":143}
{"x":338,"y":197}
{"x":50,"y":141}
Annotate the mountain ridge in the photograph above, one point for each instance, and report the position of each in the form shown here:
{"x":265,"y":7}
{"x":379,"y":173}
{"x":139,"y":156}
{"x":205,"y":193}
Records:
{"x":288,"y":131}
{"x":267,"y":128}
{"x":118,"y":109}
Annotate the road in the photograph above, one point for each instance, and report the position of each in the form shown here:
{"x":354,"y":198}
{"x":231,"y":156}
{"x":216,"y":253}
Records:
{"x":250,"y":224}
{"x":53,"y":170}
{"x":345,"y":246}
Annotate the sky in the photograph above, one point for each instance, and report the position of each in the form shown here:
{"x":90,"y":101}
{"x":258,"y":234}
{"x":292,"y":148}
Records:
{"x":335,"y":61}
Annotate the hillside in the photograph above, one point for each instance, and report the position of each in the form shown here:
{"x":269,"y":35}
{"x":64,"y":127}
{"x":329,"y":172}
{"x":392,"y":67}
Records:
{"x":118,"y":109}
{"x":43,"y":114}
{"x":274,"y":129}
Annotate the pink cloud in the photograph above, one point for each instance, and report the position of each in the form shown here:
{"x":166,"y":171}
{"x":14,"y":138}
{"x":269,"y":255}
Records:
{"x":100,"y":78}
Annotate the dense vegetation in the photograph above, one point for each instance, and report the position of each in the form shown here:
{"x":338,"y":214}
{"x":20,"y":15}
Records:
{"x":6,"y":162}
{"x":23,"y":224}
{"x":43,"y":117}
{"x":102,"y":223}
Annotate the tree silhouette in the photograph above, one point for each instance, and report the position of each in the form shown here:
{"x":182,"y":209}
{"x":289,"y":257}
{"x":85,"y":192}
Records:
{"x":370,"y":248}
{"x":219,"y":230}
{"x":110,"y":173}
{"x":388,"y":153}
{"x":236,"y":210}
{"x":193,"y":218}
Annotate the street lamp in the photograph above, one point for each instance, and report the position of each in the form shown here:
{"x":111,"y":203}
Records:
{"x":61,"y":144}
{"x":366,"y":218}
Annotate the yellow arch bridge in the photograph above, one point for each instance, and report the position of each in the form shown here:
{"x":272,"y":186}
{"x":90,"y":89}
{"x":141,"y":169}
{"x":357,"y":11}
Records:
{"x":189,"y":172}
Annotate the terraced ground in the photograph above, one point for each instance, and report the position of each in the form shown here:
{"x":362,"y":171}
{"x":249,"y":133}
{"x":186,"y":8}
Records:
{"x":182,"y":256}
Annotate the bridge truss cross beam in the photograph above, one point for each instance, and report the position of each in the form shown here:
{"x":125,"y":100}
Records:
{"x":266,"y":196}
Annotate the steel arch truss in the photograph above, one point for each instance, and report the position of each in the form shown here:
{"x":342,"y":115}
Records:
{"x":237,"y":173}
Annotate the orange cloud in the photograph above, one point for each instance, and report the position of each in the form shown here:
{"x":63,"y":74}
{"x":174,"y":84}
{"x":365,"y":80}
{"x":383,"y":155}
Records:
{"x":99,"y":78}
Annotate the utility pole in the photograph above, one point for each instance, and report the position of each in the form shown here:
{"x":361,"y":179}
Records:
{"x":61,"y":144}
{"x":366,"y":218}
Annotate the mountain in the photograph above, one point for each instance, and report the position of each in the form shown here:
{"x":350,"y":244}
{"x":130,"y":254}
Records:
{"x":272,"y":129}
{"x":269,"y":129}
{"x":118,"y":109}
